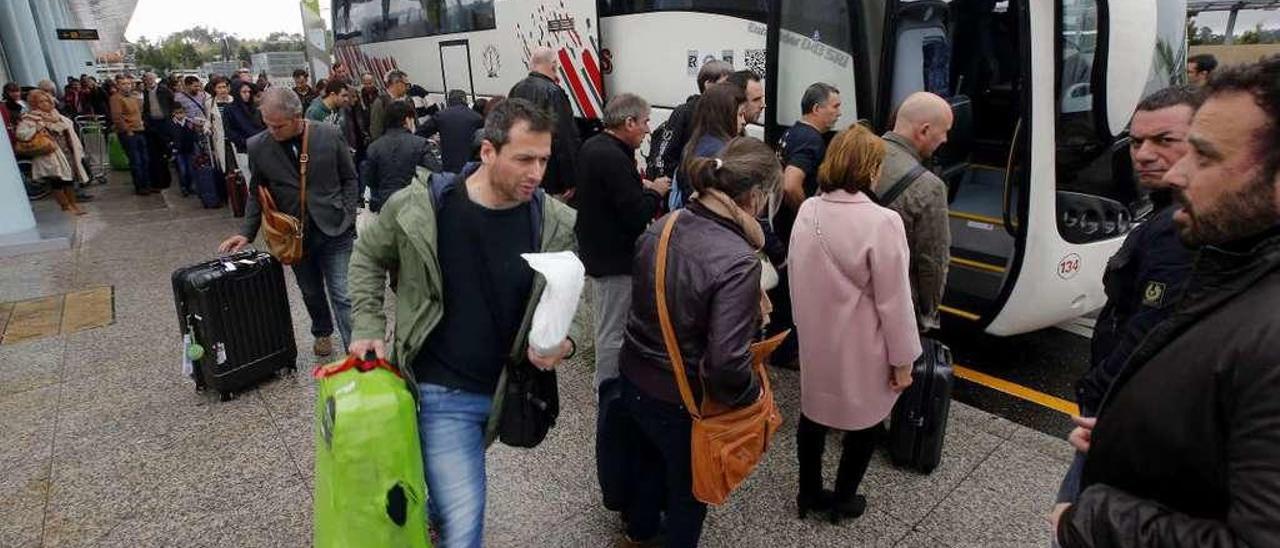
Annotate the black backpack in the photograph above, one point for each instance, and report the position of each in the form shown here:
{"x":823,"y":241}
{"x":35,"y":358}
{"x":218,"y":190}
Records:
{"x":653,"y":161}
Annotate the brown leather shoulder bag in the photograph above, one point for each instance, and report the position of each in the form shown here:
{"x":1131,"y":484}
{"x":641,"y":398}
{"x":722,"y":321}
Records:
{"x":726,"y":444}
{"x":284,"y":232}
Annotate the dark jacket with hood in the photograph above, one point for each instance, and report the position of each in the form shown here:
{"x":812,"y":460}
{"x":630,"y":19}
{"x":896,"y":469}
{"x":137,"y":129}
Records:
{"x":1186,"y":451}
{"x":241,"y":120}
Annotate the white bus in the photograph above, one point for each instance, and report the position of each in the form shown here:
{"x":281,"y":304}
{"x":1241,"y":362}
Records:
{"x":1038,"y":171}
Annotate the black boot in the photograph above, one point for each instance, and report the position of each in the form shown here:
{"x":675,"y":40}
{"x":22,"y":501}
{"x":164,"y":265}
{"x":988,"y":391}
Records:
{"x":848,"y":509}
{"x":811,"y":438}
{"x":858,"y":446}
{"x":822,"y":502}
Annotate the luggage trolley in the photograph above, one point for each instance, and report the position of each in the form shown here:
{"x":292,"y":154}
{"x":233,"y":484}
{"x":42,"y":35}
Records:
{"x":93,"y":136}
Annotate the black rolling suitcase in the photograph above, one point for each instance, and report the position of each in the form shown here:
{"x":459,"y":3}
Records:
{"x":236,"y":309}
{"x":919,"y":421}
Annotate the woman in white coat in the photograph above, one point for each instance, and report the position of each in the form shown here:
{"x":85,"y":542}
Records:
{"x":60,"y":167}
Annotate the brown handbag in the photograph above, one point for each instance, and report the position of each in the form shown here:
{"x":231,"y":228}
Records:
{"x":38,"y":145}
{"x":726,"y":444}
{"x":284,"y":232}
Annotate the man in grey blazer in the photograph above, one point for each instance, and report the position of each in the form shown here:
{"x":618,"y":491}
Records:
{"x":331,"y":208}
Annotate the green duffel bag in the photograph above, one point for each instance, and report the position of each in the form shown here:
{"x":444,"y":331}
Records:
{"x":115,"y":153}
{"x":369,"y":486}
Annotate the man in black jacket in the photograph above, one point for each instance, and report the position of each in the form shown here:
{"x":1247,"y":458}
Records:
{"x":157,"y":107}
{"x":397,"y":83}
{"x":393,"y":160}
{"x":1145,"y":279}
{"x":457,"y":125}
{"x":667,"y":145}
{"x":614,"y":206}
{"x":1186,"y":451}
{"x":541,"y":88}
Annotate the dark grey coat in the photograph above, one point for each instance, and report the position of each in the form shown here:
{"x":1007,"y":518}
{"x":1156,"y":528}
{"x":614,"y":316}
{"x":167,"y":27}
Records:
{"x":332,"y":194}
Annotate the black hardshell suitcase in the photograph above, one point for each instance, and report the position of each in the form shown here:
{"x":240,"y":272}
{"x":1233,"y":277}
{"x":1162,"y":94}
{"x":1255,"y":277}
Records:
{"x":919,"y":422}
{"x":237,"y":309}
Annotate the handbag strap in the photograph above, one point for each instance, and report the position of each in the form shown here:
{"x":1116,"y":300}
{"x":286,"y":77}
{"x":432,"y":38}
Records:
{"x":664,"y":319}
{"x":303,"y":160}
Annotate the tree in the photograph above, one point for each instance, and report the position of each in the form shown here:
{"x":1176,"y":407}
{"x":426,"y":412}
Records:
{"x":1207,"y":36}
{"x":191,"y":47}
{"x":1251,"y":36}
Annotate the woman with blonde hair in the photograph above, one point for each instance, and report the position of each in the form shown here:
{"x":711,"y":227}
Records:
{"x":851,"y":296}
{"x":59,"y":166}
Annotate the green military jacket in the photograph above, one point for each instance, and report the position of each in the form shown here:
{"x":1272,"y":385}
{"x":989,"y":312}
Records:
{"x":403,"y":240}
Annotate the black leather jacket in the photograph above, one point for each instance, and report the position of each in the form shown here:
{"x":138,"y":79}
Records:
{"x":544,"y":92}
{"x":1187,"y":447}
{"x":713,"y":294}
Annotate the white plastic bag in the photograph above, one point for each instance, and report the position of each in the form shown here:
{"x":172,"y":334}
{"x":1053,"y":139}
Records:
{"x":565,"y":277}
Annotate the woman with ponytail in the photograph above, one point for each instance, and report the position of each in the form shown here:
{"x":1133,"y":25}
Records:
{"x":713,"y":292}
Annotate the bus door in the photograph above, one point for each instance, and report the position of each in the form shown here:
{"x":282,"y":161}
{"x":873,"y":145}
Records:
{"x":974,"y":54}
{"x":455,"y":66}
{"x":813,"y":41}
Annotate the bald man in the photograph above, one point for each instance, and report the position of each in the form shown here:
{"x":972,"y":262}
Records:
{"x":542,"y":88}
{"x":920,"y":197}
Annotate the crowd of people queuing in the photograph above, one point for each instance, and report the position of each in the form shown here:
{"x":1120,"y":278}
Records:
{"x":837,"y":235}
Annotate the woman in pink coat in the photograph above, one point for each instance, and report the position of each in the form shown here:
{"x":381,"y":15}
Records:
{"x":851,"y":298}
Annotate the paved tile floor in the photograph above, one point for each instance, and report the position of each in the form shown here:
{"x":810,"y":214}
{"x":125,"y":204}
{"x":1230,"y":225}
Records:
{"x":104,"y":443}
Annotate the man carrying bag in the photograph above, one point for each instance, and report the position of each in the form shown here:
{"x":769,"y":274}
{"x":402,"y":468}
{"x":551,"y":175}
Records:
{"x":304,"y":191}
{"x":464,"y":305}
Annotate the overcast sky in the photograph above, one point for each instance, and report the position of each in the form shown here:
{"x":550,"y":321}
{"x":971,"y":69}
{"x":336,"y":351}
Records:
{"x":1246,"y":21}
{"x":245,"y":18}
{"x":258,"y":18}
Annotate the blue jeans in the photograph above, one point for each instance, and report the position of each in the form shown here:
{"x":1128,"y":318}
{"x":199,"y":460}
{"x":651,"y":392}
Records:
{"x":185,"y":171}
{"x":451,"y":424}
{"x":135,"y":147}
{"x":324,"y":267}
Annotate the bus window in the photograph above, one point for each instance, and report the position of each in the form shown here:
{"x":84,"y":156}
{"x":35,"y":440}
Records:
{"x":754,"y":10}
{"x":815,"y":45}
{"x":1095,"y":186}
{"x":367,"y":21}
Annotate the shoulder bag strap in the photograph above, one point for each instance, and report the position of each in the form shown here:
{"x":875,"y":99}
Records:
{"x":303,"y":160}
{"x":900,"y":186}
{"x":664,"y":318}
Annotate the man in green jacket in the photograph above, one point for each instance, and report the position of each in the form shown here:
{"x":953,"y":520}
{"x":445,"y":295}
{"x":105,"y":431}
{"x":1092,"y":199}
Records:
{"x":464,"y":299}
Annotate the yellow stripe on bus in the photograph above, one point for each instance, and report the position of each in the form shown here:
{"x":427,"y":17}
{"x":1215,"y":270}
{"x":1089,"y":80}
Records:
{"x":1016,"y":390}
{"x":978,"y":265}
{"x":961,"y":313}
{"x":976,"y":217}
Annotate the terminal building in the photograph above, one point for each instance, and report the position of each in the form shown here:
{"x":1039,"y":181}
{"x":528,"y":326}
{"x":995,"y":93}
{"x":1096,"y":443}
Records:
{"x":49,"y":40}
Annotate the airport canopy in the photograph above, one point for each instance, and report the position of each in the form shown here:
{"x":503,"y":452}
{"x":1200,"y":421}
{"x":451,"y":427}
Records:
{"x":1200,"y":6}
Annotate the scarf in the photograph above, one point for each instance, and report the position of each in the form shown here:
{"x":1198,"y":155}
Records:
{"x":721,"y":204}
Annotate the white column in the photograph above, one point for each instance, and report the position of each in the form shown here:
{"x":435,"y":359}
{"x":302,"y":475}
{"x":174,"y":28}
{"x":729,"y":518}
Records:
{"x":21,"y":44}
{"x":15,"y":208}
